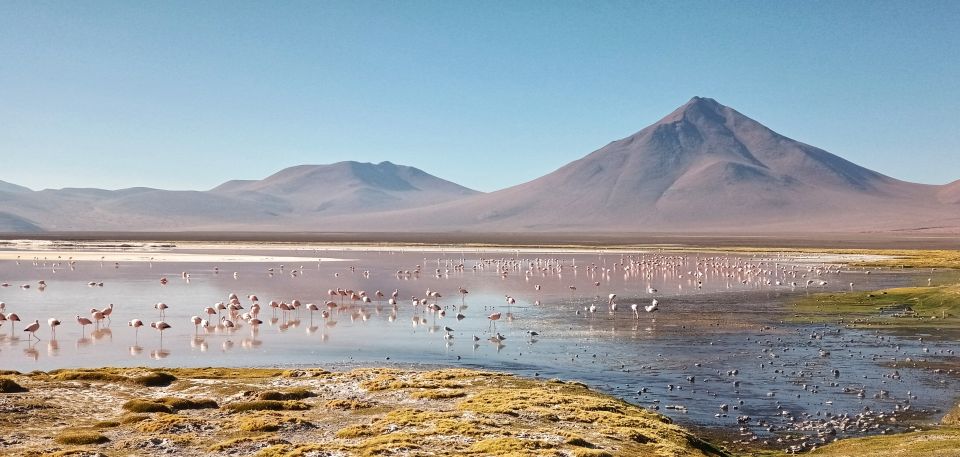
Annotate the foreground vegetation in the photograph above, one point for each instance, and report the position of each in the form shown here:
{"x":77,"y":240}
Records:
{"x":365,"y":412}
{"x":906,"y":308}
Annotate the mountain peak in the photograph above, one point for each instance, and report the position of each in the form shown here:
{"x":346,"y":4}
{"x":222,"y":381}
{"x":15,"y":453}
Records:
{"x":698,"y":109}
{"x":702,"y":101}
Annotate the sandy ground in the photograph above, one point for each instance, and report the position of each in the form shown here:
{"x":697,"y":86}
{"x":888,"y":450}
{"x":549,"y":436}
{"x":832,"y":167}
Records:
{"x":168,"y":252}
{"x":905,"y":240}
{"x":29,"y":250}
{"x":152,"y":256}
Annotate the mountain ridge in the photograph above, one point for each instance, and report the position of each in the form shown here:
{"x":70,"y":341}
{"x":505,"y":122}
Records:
{"x":702,"y":167}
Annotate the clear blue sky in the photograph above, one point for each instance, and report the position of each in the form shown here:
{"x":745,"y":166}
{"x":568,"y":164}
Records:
{"x":185,"y":95}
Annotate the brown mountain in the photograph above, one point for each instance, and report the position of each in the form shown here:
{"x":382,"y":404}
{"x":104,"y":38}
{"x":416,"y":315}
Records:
{"x":704,"y":167}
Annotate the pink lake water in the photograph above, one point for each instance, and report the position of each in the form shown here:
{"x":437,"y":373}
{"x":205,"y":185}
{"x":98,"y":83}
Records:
{"x":721,"y":341}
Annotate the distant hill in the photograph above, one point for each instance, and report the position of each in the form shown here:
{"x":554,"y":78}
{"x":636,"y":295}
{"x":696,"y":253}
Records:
{"x":296,"y":198}
{"x":346,"y":188}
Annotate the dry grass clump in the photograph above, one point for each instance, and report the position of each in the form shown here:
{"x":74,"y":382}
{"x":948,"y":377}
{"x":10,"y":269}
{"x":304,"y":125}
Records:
{"x":267,"y":421}
{"x":133,"y":418}
{"x":356,"y":431}
{"x":591,"y":453}
{"x":290,"y":450}
{"x":80,"y":437}
{"x":348,"y":404}
{"x":267,"y":438}
{"x":106,"y":424}
{"x":155,"y":379}
{"x":9,"y":386}
{"x":169,"y":423}
{"x":438,"y":394}
{"x":117,"y":375}
{"x":294,"y":394}
{"x":167,"y":405}
{"x":227,"y":373}
{"x":267,"y":405}
{"x":180,"y":404}
{"x":138,"y":405}
{"x":392,"y":443}
{"x":509,"y":445}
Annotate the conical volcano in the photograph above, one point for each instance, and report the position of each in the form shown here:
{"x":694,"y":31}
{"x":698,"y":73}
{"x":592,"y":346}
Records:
{"x":703,"y":167}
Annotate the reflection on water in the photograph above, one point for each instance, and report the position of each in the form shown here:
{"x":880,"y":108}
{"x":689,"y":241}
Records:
{"x":715,"y":337}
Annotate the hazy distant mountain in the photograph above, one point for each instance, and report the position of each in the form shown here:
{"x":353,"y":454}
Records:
{"x":347,"y":187}
{"x":15,"y":224}
{"x":8,"y":187}
{"x":297,"y":198}
{"x":703,"y":167}
{"x":950,"y":193}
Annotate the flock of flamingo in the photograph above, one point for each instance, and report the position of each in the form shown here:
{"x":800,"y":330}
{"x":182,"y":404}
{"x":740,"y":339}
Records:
{"x":231,"y":313}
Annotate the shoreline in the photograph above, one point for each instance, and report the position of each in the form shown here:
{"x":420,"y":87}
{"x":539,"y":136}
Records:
{"x":126,"y":250}
{"x":787,"y":240}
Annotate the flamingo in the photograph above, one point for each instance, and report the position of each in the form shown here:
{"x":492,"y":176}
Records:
{"x":107,"y":312}
{"x":284,"y":309}
{"x":53,"y":323}
{"x":493,"y":319}
{"x":196,"y":324}
{"x":160,"y":326}
{"x":32,"y":328}
{"x":163,"y":309}
{"x":652,"y":307}
{"x":84,"y":322}
{"x":135,"y":323}
{"x":97,"y":316}
{"x":636,"y":313}
{"x":312,"y":307}
{"x":13,"y":318}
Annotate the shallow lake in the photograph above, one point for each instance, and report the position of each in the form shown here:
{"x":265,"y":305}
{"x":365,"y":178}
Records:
{"x":718,"y":337}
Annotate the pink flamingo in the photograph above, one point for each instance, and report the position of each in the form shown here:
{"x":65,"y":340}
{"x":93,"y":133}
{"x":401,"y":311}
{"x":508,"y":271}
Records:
{"x":84,"y":322}
{"x":13,"y":318}
{"x":53,"y":323}
{"x":32,"y":328}
{"x":493,"y":319}
{"x":160,"y":326}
